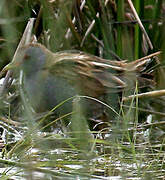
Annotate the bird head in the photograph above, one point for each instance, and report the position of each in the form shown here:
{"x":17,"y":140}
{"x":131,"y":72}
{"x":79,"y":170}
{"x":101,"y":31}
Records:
{"x":30,"y":59}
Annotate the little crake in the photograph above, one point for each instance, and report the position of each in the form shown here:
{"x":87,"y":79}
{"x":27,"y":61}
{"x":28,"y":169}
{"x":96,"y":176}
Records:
{"x":50,"y":78}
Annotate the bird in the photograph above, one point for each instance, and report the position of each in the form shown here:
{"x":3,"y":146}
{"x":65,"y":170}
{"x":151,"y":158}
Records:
{"x":50,"y":78}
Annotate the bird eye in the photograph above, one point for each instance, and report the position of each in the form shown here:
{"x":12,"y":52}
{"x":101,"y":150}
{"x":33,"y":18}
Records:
{"x":26,"y":56}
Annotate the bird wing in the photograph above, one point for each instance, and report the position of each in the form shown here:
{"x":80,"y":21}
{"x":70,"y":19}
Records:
{"x":94,"y":75}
